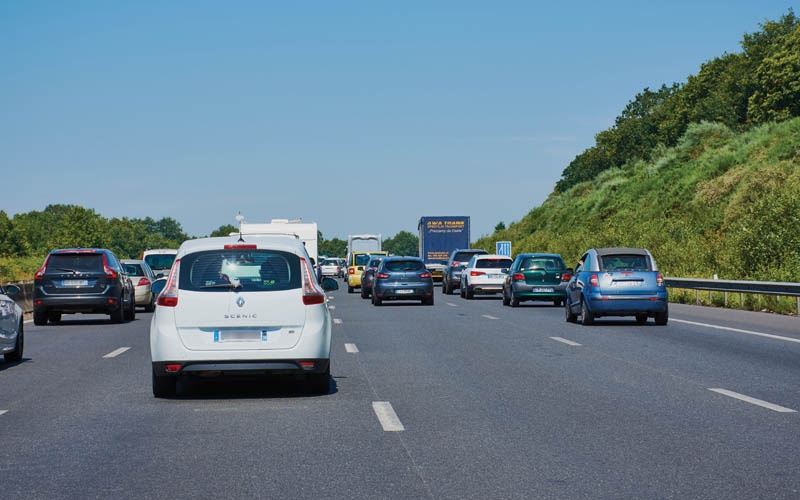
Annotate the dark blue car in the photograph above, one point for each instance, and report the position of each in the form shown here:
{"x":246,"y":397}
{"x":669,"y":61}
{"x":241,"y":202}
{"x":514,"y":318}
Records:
{"x":617,"y":282}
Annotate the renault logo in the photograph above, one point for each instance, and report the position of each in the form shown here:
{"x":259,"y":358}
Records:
{"x":240,"y":302}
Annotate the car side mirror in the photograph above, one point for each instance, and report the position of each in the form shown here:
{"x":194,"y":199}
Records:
{"x":13,"y":290}
{"x":329,"y":284}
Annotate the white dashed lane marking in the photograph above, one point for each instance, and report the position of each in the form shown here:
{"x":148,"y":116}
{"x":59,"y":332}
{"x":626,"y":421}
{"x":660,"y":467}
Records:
{"x":3,"y":412}
{"x":488,"y":317}
{"x":114,"y":354}
{"x":351,"y":348}
{"x":337,"y":321}
{"x":387,"y":416}
{"x":758,"y":402}
{"x":565,"y":341}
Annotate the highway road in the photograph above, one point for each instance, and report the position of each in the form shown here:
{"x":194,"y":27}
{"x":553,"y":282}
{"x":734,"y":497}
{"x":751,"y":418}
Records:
{"x":463,"y":400}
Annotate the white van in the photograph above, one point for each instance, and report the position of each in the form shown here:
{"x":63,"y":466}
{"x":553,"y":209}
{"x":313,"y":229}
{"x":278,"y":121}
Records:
{"x":160,"y":260}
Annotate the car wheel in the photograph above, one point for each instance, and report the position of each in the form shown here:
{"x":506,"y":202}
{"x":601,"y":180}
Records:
{"x":427,"y":301}
{"x":641,"y":318}
{"x":662,"y":318}
{"x":54,"y":316}
{"x":557,"y":302}
{"x":506,"y":300}
{"x":376,"y":301}
{"x":130,"y":312}
{"x":450,"y":289}
{"x":152,"y":305}
{"x":469,"y":292}
{"x":19,"y":345}
{"x":571,"y":318}
{"x":164,"y":386}
{"x":587,"y":318}
{"x":319,"y":383}
{"x":350,"y":289}
{"x":118,"y":314}
{"x":39,"y":318}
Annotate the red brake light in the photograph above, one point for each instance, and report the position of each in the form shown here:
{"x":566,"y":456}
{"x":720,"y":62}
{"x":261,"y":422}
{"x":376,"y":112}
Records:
{"x":241,"y":246}
{"x":382,"y":276}
{"x":593,"y":280}
{"x":110,"y":273}
{"x":40,"y":273}
{"x":143,"y":281}
{"x":311,"y":292}
{"x":169,"y":296}
{"x":476,"y":273}
{"x":519,"y":277}
{"x":659,"y":279}
{"x":566,"y":277}
{"x":351,"y":270}
{"x":425,"y":275}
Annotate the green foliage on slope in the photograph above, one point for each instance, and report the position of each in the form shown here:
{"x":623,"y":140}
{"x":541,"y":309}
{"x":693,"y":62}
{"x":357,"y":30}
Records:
{"x":718,"y":202}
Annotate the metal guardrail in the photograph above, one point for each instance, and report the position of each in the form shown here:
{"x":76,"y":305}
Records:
{"x":735,"y":286}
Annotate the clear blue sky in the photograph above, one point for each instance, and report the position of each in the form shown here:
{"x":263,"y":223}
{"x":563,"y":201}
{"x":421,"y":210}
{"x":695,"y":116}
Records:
{"x":361,"y":116}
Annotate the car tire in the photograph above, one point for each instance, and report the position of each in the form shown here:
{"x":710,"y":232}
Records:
{"x":152,"y":305}
{"x":54,"y":316}
{"x":376,"y":301}
{"x":16,"y":355}
{"x":571,"y":318}
{"x":118,"y":315}
{"x":130,"y":312}
{"x":320,"y":383}
{"x":506,"y":300}
{"x":557,"y":302}
{"x":641,"y":318}
{"x":662,"y":318}
{"x":514,"y":301}
{"x":428,"y":301}
{"x":351,"y":289}
{"x":469,"y":292}
{"x":164,"y":386}
{"x":587,"y":318}
{"x":39,"y":318}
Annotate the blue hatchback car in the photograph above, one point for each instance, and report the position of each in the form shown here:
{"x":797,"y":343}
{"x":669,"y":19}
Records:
{"x":402,"y":278}
{"x":617,"y":282}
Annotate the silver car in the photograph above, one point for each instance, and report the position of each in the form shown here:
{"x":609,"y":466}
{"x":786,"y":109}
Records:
{"x":142,"y":278}
{"x":12,"y":335}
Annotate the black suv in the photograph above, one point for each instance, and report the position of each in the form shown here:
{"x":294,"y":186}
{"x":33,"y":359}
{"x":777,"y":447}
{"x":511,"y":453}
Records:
{"x":82,"y":280}
{"x":451,"y":277}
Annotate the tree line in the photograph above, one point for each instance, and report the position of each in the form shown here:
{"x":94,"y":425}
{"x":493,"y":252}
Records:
{"x":741,"y":90}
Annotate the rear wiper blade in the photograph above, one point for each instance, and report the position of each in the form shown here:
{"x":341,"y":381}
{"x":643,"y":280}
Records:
{"x":73,"y":271}
{"x":235,"y":284}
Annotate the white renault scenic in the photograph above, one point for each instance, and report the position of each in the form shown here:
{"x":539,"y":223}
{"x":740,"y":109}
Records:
{"x":241,"y":307}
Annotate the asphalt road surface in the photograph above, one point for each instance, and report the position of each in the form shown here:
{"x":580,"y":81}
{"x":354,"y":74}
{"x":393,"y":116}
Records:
{"x":467,"y":399}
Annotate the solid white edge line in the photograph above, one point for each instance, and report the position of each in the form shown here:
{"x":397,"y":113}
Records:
{"x":351,"y":348}
{"x":488,"y":317}
{"x":387,"y":417}
{"x":737,"y":330}
{"x":115,"y":353}
{"x":3,"y":412}
{"x":565,"y":341}
{"x":754,"y":401}
{"x":337,"y":321}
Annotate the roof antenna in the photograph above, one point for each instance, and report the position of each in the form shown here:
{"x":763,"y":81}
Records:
{"x":239,"y":219}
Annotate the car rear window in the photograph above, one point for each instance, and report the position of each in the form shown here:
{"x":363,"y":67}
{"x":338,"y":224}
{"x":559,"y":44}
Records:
{"x":362,"y":260}
{"x":542,"y":263}
{"x":464,"y":256}
{"x":159,"y":261}
{"x":625,"y":262}
{"x":404,"y":265}
{"x":253,"y":270}
{"x":492,"y":263}
{"x":84,"y":263}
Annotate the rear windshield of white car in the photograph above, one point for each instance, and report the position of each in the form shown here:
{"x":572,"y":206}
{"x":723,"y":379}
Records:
{"x":624,"y":262}
{"x":159,"y":261}
{"x":542,"y":263}
{"x":492,"y":263}
{"x":246,"y":270}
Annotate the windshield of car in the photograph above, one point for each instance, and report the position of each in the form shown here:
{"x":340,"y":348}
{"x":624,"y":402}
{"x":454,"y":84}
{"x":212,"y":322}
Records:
{"x":624,"y":262}
{"x":404,"y":265}
{"x":542,"y":263}
{"x":79,"y":263}
{"x":362,"y":259}
{"x":463,"y":256}
{"x":249,"y":270}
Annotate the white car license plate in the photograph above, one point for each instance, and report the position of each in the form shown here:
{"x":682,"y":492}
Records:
{"x":75,"y":283}
{"x":543,"y":290}
{"x":404,"y":292}
{"x":496,"y":276}
{"x":240,"y":335}
{"x":628,"y":284}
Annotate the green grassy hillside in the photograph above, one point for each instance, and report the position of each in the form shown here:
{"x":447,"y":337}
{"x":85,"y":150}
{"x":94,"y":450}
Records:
{"x":717,"y":203}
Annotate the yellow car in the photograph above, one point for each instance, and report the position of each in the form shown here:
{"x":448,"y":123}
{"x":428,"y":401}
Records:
{"x":358,"y":260}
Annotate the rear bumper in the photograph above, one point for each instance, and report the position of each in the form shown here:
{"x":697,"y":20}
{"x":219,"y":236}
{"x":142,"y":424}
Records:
{"x":626,"y":306}
{"x":78,"y":304}
{"x":390,"y":292}
{"x":248,"y":367}
{"x":524,"y":291}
